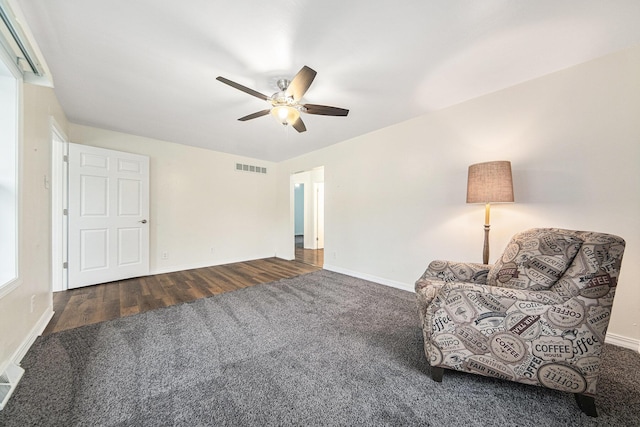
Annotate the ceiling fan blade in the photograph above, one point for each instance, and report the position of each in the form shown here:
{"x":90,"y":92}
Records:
{"x":325,"y":110}
{"x":299,"y":125}
{"x":242,"y":88}
{"x":254,"y":115}
{"x":301,"y":83}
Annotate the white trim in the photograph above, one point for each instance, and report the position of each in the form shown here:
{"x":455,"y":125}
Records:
{"x":7,"y":57}
{"x":9,"y":286}
{"x":370,"y":278}
{"x":622,"y":341}
{"x":13,"y":364}
{"x":36,"y":331}
{"x":58,"y":182}
{"x":205,"y":264}
{"x":16,"y":157}
{"x":613,"y":339}
{"x":19,"y":23}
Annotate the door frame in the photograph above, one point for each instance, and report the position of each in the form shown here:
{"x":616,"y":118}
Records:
{"x":296,"y":210}
{"x":59,"y":202}
{"x":310,"y":203}
{"x":318,"y":219}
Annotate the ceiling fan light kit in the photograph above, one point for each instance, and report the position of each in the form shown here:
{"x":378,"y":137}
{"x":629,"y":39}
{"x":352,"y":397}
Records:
{"x":285,"y":104}
{"x":285,"y":114}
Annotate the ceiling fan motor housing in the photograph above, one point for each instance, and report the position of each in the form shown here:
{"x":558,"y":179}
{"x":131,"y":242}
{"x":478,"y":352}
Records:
{"x":283,"y":84}
{"x":281,"y":98}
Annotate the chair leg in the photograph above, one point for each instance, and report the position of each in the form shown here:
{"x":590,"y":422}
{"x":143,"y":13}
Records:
{"x":587,"y":404}
{"x":437,"y":373}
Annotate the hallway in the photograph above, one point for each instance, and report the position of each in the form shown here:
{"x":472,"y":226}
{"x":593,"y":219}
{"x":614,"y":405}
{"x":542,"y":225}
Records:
{"x":308,"y":256}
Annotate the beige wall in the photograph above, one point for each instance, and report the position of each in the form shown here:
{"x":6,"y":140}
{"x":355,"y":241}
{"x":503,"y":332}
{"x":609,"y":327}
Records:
{"x":17,"y":322}
{"x":395,"y":198}
{"x":202,"y":211}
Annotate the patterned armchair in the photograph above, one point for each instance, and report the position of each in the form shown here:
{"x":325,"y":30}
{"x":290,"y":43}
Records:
{"x":538,"y":316}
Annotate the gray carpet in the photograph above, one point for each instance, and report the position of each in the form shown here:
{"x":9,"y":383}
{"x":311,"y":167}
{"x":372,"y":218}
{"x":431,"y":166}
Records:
{"x":319,"y":349}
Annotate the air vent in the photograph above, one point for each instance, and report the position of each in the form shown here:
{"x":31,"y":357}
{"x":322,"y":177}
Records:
{"x":241,"y":167}
{"x":8,"y":382}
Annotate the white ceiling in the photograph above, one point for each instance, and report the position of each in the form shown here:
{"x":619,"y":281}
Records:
{"x":148,"y":67}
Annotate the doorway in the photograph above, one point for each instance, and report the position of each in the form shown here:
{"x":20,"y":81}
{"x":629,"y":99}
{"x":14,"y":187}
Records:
{"x":308,"y":212}
{"x":298,"y":212}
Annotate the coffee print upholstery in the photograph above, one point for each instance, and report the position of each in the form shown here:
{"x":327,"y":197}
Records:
{"x":547,"y":332}
{"x":534,"y":259}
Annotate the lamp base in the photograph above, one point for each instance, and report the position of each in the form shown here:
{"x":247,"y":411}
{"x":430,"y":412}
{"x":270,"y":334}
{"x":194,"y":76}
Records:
{"x":485,"y":248}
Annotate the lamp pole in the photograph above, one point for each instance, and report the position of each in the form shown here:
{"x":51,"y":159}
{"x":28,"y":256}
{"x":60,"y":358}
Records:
{"x":485,"y":248}
{"x":487,"y":183}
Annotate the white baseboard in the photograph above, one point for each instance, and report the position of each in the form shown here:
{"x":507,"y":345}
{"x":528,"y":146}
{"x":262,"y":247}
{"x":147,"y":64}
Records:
{"x":614,"y":339}
{"x":622,"y":341}
{"x":183,"y":267}
{"x":13,"y":372}
{"x":174,"y":268}
{"x":369,"y":277}
{"x":36,"y":331}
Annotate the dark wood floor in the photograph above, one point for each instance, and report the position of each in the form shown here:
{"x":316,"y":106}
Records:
{"x":310,"y":256}
{"x":92,"y":304}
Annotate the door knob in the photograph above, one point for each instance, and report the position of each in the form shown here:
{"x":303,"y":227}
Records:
{"x":144,"y":221}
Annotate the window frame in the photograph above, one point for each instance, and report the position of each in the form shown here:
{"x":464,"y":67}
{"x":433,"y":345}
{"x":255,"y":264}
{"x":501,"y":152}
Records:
{"x":11,"y":71}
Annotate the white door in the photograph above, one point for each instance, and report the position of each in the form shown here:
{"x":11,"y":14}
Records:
{"x":108,"y":215}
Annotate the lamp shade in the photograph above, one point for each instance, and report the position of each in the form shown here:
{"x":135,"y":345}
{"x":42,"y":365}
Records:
{"x":490,"y":182}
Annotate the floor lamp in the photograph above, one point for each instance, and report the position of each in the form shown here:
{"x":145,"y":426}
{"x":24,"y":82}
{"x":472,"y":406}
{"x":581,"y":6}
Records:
{"x":487,"y":183}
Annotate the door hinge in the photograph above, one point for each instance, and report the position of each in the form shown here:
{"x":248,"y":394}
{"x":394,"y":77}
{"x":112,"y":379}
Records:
{"x":65,"y":158}
{"x":65,"y":212}
{"x":65,"y":265}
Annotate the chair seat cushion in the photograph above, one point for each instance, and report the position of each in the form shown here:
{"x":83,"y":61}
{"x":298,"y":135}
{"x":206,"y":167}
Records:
{"x":534,"y":260}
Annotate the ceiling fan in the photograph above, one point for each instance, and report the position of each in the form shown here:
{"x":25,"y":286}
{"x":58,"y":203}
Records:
{"x":285,"y":104}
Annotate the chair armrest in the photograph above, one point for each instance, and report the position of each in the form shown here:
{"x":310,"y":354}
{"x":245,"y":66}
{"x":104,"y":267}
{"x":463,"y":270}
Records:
{"x":440,"y":273}
{"x":541,"y":297}
{"x":448,"y":271}
{"x":468,"y":302}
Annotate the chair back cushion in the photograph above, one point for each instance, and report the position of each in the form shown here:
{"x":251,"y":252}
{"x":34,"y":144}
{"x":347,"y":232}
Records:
{"x":593,"y":274}
{"x":535,"y":259}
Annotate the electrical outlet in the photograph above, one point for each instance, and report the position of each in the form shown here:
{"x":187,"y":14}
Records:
{"x":212,"y":251}
{"x":33,"y":303}
{"x":165,"y":255}
{"x":335,"y":254}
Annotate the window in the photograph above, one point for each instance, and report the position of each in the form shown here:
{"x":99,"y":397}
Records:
{"x":9,"y":119}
